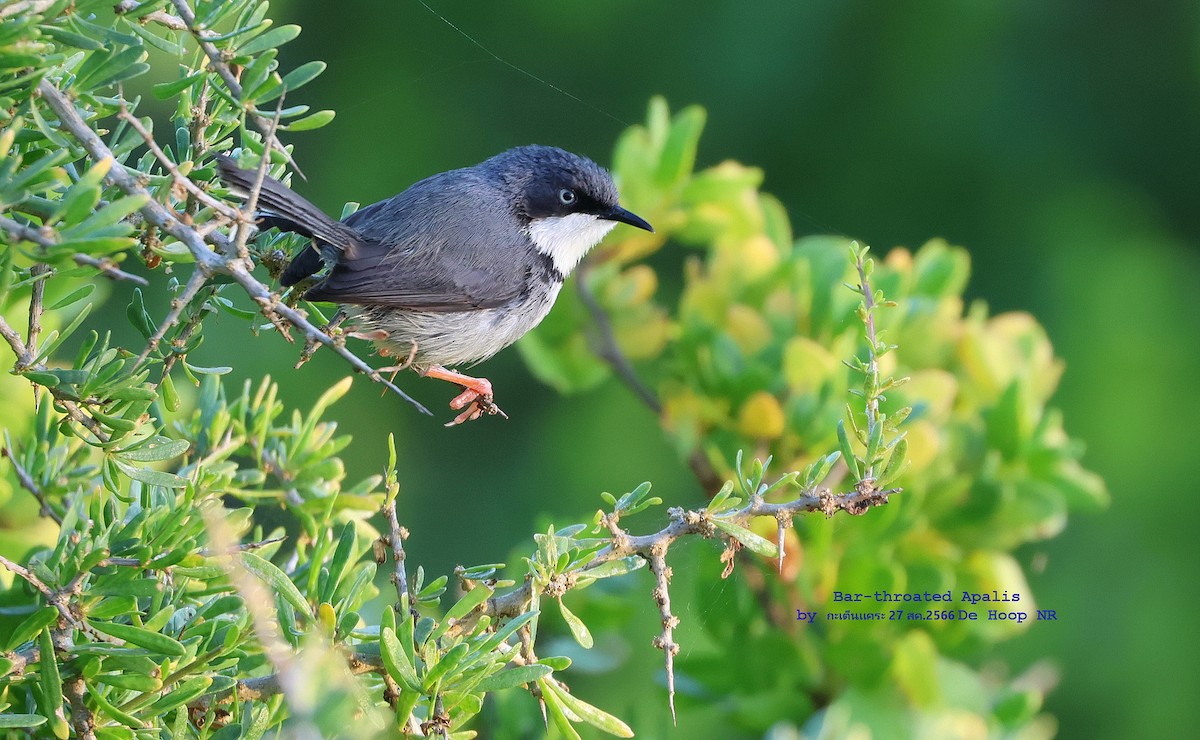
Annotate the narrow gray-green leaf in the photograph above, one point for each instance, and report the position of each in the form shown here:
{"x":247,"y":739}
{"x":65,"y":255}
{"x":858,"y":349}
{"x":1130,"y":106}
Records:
{"x":511,"y":677}
{"x":753,"y":542}
{"x":277,"y":580}
{"x":152,"y":641}
{"x":578,"y":629}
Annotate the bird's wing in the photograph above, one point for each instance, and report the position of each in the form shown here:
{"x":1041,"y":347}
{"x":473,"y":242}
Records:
{"x":448,"y":243}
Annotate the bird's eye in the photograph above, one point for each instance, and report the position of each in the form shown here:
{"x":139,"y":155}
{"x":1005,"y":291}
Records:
{"x":566,"y":197}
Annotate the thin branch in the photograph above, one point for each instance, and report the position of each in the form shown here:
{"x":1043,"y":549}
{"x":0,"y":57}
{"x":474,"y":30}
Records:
{"x":246,"y":218}
{"x":194,"y":284}
{"x":27,"y":233}
{"x":173,"y":22}
{"x":30,"y":484}
{"x":179,"y":178}
{"x":75,"y":689}
{"x":156,"y":214}
{"x":58,"y":599}
{"x":25,"y":362}
{"x":666,"y":640}
{"x":35,"y":307}
{"x":609,"y":350}
{"x":872,"y":370}
{"x":699,"y":522}
{"x":231,"y":81}
{"x":396,"y":540}
{"x":264,"y":687}
{"x":31,"y":578}
{"x":110,"y":269}
{"x":28,"y":6}
{"x":14,"y":340}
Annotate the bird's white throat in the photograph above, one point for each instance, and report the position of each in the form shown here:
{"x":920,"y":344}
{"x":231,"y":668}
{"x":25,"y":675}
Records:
{"x":565,"y":239}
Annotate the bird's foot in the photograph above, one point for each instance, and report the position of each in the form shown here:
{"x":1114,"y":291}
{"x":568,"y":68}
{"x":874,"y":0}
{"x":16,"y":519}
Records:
{"x":475,"y":400}
{"x":474,"y":405}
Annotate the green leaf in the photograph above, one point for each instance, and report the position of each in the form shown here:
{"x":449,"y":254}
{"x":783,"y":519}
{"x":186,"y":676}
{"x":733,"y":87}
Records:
{"x":188,"y":691}
{"x":617,"y":567}
{"x":595,"y":717}
{"x":38,"y":620}
{"x":395,"y":660}
{"x":512,"y":677}
{"x":16,"y":721}
{"x":310,"y":122}
{"x":131,"y":681}
{"x":848,"y":451}
{"x":302,"y":75}
{"x":555,"y":709}
{"x":159,"y":449}
{"x":753,"y":542}
{"x":272,"y":39}
{"x":277,"y":580}
{"x":152,"y":641}
{"x":168,"y":90}
{"x":51,"y":684}
{"x":464,"y":606}
{"x":138,"y":316}
{"x":896,"y":464}
{"x":679,"y":150}
{"x":578,"y":629}
{"x":71,"y":38}
{"x":55,"y":339}
{"x":169,"y":395}
{"x":74,"y":296}
{"x":448,"y":663}
{"x":145,"y":475}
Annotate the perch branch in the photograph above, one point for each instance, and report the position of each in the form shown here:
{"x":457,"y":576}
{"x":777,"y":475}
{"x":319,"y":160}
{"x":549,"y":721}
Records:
{"x":206,"y":259}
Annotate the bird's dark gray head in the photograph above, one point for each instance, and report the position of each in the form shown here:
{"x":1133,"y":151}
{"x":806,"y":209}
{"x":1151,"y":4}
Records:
{"x":567,"y":201}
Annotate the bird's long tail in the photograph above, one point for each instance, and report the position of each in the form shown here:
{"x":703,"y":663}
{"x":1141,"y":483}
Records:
{"x":280,"y":207}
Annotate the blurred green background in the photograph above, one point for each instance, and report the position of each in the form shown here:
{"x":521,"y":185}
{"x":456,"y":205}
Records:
{"x":1057,"y":141}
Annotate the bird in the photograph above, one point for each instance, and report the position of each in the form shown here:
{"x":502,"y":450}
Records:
{"x":458,"y":266}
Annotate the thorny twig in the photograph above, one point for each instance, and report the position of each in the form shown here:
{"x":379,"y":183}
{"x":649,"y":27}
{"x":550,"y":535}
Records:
{"x":653,"y":548}
{"x":35,"y":307}
{"x":57,"y":598}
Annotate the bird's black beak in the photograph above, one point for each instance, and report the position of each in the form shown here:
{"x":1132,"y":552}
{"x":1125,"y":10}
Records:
{"x":626,"y":217}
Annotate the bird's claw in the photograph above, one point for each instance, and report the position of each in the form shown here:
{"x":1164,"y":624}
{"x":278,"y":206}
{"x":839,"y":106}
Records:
{"x":474,"y":404}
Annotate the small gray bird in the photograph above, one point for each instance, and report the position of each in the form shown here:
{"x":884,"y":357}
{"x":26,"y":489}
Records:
{"x":458,"y":266}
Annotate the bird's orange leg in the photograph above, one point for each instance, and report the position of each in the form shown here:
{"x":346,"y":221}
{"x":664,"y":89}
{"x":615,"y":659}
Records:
{"x":476,"y":398}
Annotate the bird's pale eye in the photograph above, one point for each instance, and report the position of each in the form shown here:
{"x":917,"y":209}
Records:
{"x":566,"y":196}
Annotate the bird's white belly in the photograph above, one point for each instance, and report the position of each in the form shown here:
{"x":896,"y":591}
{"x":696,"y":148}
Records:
{"x":456,"y":337}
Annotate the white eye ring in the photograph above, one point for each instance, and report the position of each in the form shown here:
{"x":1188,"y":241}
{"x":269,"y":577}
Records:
{"x":566,"y":197}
